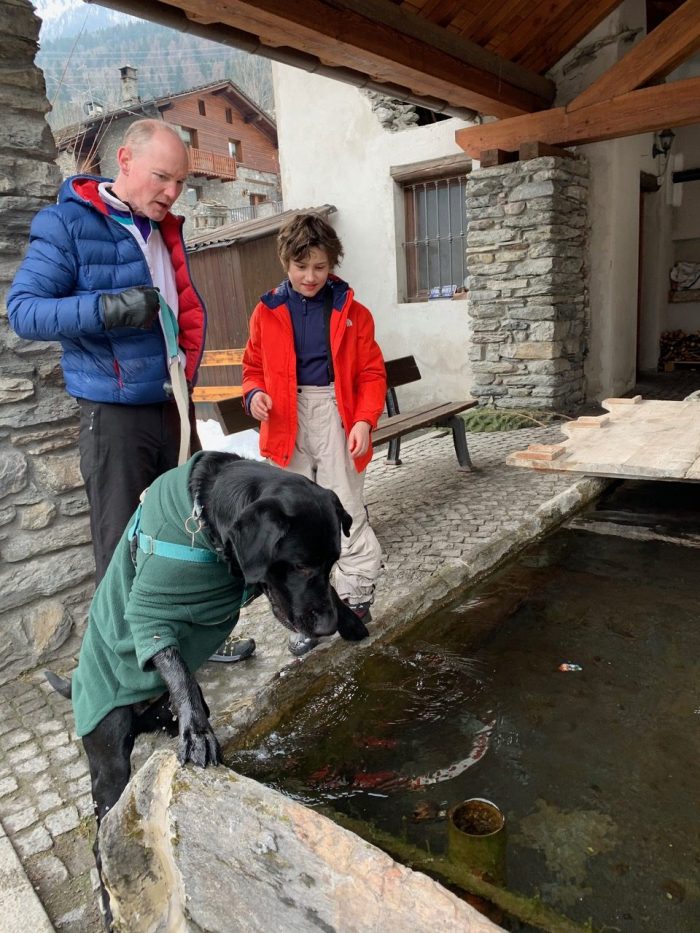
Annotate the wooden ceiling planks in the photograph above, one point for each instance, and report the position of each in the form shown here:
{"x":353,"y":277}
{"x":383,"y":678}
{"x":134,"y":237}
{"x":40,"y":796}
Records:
{"x":439,"y":12}
{"x":571,"y":22}
{"x":534,"y":34}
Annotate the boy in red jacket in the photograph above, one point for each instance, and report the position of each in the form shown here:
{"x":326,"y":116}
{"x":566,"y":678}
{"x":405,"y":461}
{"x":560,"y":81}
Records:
{"x":314,"y":376}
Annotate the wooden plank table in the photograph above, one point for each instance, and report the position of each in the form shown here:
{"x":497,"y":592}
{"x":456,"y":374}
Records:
{"x":635,"y":439}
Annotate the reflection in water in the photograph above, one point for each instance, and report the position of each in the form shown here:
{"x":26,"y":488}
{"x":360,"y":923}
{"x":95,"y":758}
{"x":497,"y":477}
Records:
{"x":596,"y":770}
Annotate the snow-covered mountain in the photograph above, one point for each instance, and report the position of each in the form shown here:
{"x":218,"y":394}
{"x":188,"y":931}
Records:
{"x":82,"y":46}
{"x":62,"y":19}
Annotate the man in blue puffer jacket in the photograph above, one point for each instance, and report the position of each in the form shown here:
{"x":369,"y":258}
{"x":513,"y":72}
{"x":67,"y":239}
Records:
{"x":91,"y":278}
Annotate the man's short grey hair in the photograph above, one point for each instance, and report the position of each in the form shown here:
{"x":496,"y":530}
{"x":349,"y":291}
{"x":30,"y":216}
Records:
{"x":142,"y":132}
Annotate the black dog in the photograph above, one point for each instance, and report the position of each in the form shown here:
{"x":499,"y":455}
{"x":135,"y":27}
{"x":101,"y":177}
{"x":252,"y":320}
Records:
{"x":274,"y":529}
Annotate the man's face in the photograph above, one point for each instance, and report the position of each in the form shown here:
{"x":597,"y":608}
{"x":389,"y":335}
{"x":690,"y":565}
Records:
{"x":151,"y":177}
{"x":309,"y":274}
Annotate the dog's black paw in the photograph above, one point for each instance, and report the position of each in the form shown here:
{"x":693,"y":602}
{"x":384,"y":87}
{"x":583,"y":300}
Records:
{"x":200,"y":746}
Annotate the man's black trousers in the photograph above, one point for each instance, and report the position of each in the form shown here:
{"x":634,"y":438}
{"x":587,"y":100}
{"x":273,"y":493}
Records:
{"x":123,"y":448}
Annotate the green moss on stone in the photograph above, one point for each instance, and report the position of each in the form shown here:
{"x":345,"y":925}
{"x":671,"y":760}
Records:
{"x":486,"y":420}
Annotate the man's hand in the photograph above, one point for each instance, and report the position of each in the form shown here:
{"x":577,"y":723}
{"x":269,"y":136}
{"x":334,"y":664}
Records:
{"x":358,"y":439}
{"x":261,"y":406}
{"x":134,"y":307}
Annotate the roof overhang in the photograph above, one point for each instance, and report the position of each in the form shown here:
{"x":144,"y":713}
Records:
{"x":464,"y":59}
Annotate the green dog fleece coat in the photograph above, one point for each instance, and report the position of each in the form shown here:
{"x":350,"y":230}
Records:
{"x":161,"y":602}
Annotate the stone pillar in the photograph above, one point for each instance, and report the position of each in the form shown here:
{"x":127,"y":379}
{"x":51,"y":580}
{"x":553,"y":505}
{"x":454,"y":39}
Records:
{"x":46,"y":563}
{"x":528,"y":298}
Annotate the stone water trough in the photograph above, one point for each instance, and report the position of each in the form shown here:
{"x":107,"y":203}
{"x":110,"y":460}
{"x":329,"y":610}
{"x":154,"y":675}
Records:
{"x":187,"y":849}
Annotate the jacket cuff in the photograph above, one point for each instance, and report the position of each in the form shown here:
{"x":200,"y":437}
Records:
{"x":249,"y":398}
{"x":369,"y":416}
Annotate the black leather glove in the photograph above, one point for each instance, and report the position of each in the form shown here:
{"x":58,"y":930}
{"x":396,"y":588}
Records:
{"x":134,"y":307}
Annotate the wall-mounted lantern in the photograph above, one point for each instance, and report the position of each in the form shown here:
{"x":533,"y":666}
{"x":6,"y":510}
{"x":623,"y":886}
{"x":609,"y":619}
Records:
{"x":662,"y":143}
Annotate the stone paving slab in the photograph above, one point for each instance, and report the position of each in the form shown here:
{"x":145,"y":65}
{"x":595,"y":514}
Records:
{"x":20,"y":908}
{"x":439,"y":529}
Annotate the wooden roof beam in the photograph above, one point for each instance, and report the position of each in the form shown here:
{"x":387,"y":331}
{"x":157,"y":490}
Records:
{"x":392,"y":47}
{"x":642,"y":111}
{"x":671,"y":43}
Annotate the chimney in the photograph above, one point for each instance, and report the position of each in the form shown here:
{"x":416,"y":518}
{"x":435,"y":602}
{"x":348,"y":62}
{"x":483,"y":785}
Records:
{"x":130,"y":85}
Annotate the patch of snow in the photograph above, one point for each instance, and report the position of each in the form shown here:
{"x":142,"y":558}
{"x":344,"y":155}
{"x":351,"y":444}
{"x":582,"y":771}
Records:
{"x":243,"y":443}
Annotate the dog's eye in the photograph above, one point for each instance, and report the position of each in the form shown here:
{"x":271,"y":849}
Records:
{"x":303,"y":569}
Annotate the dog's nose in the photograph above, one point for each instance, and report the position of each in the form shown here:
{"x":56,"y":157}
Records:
{"x":323,"y":624}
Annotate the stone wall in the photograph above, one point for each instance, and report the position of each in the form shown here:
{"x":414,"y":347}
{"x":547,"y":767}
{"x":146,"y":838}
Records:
{"x":46,"y":563}
{"x":528,"y":300}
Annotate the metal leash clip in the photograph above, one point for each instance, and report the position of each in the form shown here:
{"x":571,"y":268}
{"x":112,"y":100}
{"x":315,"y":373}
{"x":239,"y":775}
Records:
{"x":194,"y":522}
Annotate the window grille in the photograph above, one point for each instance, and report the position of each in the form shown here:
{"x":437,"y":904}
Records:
{"x":436,"y":237}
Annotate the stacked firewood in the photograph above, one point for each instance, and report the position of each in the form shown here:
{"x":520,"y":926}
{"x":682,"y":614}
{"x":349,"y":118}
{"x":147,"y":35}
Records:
{"x":678,"y":346}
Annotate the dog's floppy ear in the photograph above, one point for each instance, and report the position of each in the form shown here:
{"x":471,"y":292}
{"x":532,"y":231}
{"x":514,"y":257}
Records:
{"x":255,"y":535}
{"x":343,"y":517}
{"x":349,"y":626}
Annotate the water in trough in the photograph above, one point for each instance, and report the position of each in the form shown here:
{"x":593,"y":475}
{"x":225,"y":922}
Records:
{"x":595,"y":767}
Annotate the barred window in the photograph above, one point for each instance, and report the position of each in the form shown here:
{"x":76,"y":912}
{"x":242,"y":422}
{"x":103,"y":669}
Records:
{"x":435,"y":237}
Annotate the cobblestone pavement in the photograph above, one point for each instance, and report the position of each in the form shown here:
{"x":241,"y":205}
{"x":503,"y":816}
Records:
{"x":439,"y":528}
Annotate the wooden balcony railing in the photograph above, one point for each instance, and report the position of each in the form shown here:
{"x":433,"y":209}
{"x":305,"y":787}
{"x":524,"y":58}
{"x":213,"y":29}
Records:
{"x":212,"y":164}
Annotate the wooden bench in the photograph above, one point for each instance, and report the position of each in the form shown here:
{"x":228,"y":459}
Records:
{"x":224,"y":403}
{"x":395,"y":424}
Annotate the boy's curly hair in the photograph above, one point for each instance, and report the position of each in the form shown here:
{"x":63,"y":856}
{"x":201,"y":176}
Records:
{"x":305,"y":232}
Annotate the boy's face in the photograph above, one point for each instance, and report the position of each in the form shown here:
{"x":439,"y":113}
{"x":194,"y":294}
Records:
{"x":309,"y":274}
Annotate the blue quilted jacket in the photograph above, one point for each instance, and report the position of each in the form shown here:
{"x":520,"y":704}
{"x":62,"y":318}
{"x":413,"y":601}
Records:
{"x":76,"y":253}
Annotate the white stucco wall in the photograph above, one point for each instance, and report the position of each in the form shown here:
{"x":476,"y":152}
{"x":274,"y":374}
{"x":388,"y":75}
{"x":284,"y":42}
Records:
{"x":347,"y":164}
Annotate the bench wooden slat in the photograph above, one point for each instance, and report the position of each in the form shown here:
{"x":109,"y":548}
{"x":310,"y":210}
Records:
{"x":428,"y":416}
{"x":215,"y":393}
{"x":222,"y":357}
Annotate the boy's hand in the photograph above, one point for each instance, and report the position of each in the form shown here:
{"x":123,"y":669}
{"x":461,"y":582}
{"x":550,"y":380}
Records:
{"x":358,"y":439}
{"x":261,"y":406}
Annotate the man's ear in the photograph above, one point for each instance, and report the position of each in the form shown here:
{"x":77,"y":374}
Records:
{"x":254,"y":538}
{"x":124,"y":157}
